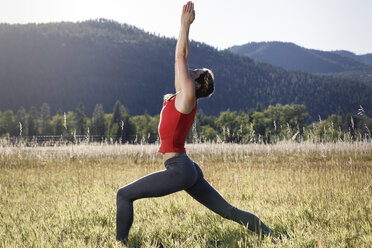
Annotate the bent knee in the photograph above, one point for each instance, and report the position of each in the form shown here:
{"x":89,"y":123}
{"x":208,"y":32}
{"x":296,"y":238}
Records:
{"x":122,"y":194}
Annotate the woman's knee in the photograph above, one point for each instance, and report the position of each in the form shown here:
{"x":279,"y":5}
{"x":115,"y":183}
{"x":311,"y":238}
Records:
{"x":122,"y":194}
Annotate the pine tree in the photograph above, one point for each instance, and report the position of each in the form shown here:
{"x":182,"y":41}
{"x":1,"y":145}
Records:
{"x":46,"y":128}
{"x":117,"y":123}
{"x":129,"y":129}
{"x":98,"y":122}
{"x":259,"y":107}
{"x":121,"y":127}
{"x":57,"y":124}
{"x":8,"y":123}
{"x":117,"y":113}
{"x":80,"y":120}
{"x":59,"y":112}
{"x":32,"y":122}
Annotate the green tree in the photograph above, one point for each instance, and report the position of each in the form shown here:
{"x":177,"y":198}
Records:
{"x":57,"y":124}
{"x":258,"y":107}
{"x":46,"y":128}
{"x":357,"y":126}
{"x":278,"y":122}
{"x":118,"y":111}
{"x":121,"y":128}
{"x":69,"y":122}
{"x":80,"y":120}
{"x":146,"y":127}
{"x":259,"y":123}
{"x":59,"y":112}
{"x":206,"y":120}
{"x":117,"y":122}
{"x":208,"y":133}
{"x":108,"y":120}
{"x":330,"y":130}
{"x":8,"y":123}
{"x":228,"y":124}
{"x":295,"y":115}
{"x":32,"y":122}
{"x":98,"y":122}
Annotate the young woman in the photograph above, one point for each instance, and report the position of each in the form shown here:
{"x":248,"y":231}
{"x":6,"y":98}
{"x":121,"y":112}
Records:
{"x":181,"y":172}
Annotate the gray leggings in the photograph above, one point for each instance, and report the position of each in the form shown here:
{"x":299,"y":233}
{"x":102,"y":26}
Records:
{"x":181,"y":173}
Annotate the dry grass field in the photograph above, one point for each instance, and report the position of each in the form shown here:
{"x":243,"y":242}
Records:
{"x":320,"y":194}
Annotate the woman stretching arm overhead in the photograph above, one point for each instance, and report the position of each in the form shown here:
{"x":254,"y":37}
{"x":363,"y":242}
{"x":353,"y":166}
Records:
{"x":181,"y":173}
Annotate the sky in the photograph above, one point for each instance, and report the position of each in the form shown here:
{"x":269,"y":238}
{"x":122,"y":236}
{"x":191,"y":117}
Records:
{"x":318,"y":24}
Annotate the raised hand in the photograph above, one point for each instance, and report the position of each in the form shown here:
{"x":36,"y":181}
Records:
{"x":188,"y":14}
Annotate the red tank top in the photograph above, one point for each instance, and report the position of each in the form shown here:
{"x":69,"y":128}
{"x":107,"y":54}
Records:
{"x":174,"y":127}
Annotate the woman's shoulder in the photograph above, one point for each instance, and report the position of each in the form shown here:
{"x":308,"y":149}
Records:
{"x":169,"y":97}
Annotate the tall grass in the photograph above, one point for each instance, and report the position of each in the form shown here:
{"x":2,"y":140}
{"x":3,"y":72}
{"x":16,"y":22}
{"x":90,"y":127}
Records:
{"x":319,"y":193}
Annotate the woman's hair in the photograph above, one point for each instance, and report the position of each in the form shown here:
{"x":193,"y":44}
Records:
{"x":206,"y":80}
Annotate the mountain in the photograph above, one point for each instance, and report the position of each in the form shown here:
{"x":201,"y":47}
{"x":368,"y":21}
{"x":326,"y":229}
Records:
{"x":101,"y":61}
{"x":293,"y":57}
{"x":365,"y":59}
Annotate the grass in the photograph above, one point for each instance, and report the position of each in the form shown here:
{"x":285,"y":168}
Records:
{"x":321,"y":194}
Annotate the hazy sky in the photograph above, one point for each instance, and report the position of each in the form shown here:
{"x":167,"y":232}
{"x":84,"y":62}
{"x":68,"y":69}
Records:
{"x":318,"y":24}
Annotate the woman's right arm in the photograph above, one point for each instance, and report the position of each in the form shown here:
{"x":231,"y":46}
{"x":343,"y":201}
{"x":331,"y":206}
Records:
{"x":182,"y":80}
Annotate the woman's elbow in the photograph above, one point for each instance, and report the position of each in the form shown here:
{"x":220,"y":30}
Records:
{"x":180,"y":55}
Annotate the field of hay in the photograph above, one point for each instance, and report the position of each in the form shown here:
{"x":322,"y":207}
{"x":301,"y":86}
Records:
{"x":320,"y":194}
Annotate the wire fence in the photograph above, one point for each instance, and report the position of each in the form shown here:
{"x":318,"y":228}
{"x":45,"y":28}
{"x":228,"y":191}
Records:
{"x":55,"y":140}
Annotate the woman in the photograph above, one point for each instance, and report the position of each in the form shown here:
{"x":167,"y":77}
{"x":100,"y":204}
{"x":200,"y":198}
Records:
{"x":181,"y":172}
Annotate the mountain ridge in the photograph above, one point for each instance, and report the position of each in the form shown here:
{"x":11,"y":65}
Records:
{"x":290,"y":56}
{"x":101,"y":61}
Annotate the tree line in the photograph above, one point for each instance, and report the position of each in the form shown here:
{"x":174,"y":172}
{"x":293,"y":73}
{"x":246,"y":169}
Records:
{"x":276,"y":123}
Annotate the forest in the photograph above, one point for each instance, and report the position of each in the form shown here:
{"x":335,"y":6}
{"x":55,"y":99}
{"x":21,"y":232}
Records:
{"x":101,"y":61}
{"x":275,"y":123}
